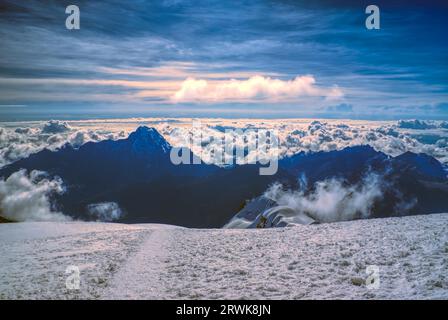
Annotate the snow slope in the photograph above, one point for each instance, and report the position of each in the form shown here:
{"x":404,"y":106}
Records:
{"x":164,"y":262}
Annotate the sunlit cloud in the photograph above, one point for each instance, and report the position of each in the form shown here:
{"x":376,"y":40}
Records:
{"x":176,"y":83}
{"x":256,"y":88}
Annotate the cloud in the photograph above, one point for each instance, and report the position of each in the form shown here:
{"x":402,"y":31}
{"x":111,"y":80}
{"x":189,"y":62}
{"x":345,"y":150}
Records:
{"x":331,"y":200}
{"x":105,"y":211}
{"x":55,"y":126}
{"x":286,"y":39}
{"x":298,"y":135}
{"x":26,"y":197}
{"x":255,"y":88}
{"x":19,"y":142}
{"x":416,"y":124}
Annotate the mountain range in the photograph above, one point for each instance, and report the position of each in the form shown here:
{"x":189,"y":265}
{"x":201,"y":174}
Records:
{"x":138,"y":175}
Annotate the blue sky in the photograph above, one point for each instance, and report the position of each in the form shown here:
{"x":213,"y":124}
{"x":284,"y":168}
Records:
{"x":224,"y":59}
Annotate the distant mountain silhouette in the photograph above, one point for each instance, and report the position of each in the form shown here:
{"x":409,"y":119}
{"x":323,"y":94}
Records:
{"x":137,"y":173}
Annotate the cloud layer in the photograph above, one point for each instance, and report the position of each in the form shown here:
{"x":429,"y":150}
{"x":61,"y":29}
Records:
{"x":26,"y":196}
{"x":295,"y":135}
{"x":18,"y":142}
{"x":313,"y":136}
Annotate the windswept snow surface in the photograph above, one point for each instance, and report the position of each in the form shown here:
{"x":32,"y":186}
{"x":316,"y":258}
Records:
{"x":34,"y":257}
{"x":326,"y":261}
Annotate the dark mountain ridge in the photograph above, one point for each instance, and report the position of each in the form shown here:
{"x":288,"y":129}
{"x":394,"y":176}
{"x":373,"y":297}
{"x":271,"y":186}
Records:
{"x":137,"y":173}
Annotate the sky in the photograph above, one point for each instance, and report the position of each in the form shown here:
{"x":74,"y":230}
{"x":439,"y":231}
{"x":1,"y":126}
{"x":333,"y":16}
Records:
{"x":208,"y":58}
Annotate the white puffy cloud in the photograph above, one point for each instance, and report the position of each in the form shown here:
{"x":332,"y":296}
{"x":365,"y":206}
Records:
{"x":26,"y":197}
{"x":55,"y":126}
{"x":254,"y":88}
{"x":331,"y":200}
{"x":105,"y":211}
